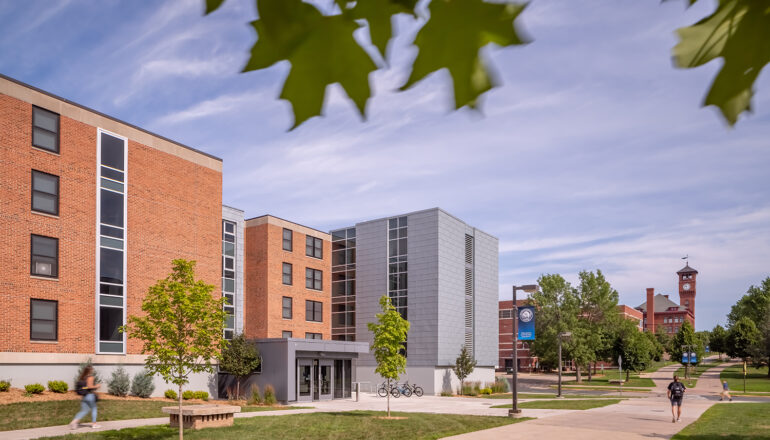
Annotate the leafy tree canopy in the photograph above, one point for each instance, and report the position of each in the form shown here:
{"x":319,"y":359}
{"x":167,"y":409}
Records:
{"x":317,"y":40}
{"x":743,"y":338}
{"x":240,"y":359}
{"x":464,"y":365}
{"x":686,"y":336}
{"x":754,"y":305}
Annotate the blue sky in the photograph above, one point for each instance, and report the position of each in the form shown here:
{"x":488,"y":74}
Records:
{"x":593,"y":154}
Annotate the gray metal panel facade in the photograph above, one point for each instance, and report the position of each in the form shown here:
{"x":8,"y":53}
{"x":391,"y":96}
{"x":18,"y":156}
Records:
{"x":451,"y":287}
{"x":423,"y":287}
{"x":237,"y":216}
{"x":371,"y":278}
{"x":486,"y":283}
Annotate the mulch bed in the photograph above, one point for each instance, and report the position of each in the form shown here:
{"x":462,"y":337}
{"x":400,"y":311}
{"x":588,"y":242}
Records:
{"x":15,"y":395}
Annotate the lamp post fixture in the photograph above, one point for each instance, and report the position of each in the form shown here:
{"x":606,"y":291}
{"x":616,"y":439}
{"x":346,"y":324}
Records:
{"x":560,"y":336}
{"x":515,"y":407}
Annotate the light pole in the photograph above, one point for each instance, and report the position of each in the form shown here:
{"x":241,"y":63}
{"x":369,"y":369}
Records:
{"x":560,"y":336}
{"x":515,"y":407}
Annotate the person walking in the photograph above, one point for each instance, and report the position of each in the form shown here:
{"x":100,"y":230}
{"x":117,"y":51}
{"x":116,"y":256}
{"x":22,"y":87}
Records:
{"x":725,"y":392}
{"x":675,"y":394}
{"x":86,"y":387}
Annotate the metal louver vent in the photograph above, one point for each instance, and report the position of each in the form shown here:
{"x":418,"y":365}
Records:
{"x":468,"y":249}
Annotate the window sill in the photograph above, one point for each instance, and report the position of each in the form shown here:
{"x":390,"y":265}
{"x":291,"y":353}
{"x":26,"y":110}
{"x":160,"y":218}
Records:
{"x":55,"y":153}
{"x":44,"y":278}
{"x":44,"y":342}
{"x":45,"y":214}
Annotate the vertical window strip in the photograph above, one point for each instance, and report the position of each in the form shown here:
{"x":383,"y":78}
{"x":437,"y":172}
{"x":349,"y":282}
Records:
{"x":343,"y":284}
{"x":398,"y":266}
{"x":229,"y":250}
{"x":111,"y":243}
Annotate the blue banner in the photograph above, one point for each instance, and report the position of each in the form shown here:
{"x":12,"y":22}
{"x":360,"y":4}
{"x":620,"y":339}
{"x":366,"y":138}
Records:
{"x":527,"y":323}
{"x":689,"y":358}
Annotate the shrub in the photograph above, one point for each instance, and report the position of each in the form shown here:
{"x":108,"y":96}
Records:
{"x":142,"y":385}
{"x":58,"y":386}
{"x":202,"y":395}
{"x":171,"y":394}
{"x":5,"y":385}
{"x":470,"y":389}
{"x":187,"y":395}
{"x":446,"y":394}
{"x":97,"y":376}
{"x":255,"y":398}
{"x":486,"y":391}
{"x":500,"y":385}
{"x":34,"y":388}
{"x":119,"y":383}
{"x":269,"y":395}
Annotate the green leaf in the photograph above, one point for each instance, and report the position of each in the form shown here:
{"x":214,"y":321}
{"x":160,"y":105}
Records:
{"x":739,"y":32}
{"x":453,"y":38}
{"x":213,"y":5}
{"x":321,"y":50}
{"x":379,"y":14}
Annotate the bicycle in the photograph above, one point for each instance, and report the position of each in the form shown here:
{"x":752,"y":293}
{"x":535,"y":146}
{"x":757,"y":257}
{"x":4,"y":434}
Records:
{"x":416,"y":390}
{"x":383,"y":390}
{"x":398,"y":390}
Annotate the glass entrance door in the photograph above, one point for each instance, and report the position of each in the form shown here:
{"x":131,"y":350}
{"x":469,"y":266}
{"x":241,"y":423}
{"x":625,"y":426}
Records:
{"x":325,"y":382}
{"x":304,"y":380}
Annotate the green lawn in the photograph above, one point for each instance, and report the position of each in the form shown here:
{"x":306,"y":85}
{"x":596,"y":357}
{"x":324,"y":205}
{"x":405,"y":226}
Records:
{"x":358,"y":425}
{"x":756,"y":378}
{"x":741,"y":421}
{"x":271,"y":408}
{"x":657,"y":365}
{"x":604,"y":381}
{"x":60,"y":412}
{"x":564,"y":404}
{"x":695,"y":370}
{"x":606,"y":389}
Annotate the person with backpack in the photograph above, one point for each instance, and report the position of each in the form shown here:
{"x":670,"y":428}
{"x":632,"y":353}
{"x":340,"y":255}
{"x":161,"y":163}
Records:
{"x":675,"y":393}
{"x":86,"y":387}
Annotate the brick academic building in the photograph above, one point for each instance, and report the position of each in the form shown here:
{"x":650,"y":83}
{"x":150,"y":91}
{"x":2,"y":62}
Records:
{"x":92,"y":211}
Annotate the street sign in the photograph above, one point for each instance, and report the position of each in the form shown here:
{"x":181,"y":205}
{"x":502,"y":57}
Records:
{"x":526,"y":323}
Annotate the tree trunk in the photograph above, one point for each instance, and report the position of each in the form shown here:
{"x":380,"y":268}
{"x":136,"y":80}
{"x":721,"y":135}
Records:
{"x":181,"y":423}
{"x":590,"y":376}
{"x":388,"y":391}
{"x":627,"y":375}
{"x":237,"y":388}
{"x":578,"y":378}
{"x":461,"y":387}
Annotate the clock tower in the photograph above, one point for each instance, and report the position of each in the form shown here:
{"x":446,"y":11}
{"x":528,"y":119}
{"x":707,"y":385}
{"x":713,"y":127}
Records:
{"x":687,"y":277}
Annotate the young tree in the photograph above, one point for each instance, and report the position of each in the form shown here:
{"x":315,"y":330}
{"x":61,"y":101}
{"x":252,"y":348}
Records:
{"x":636,"y":348}
{"x":389,"y":336}
{"x":686,"y":336}
{"x":718,"y":340}
{"x":742,"y":339}
{"x":464,"y":365}
{"x":240,"y":358}
{"x":181,"y":328}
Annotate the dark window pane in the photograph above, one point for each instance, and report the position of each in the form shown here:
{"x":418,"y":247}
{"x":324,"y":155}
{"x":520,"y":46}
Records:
{"x":45,"y":140}
{"x":45,"y":119}
{"x":109,"y":184}
{"x":111,"y":347}
{"x":230,"y":274}
{"x":45,"y":310}
{"x":45,"y":203}
{"x":110,"y":300}
{"x":318,"y":316}
{"x":112,"y":174}
{"x":111,"y":266}
{"x":228,"y":299}
{"x":112,"y":232}
{"x":44,"y":246}
{"x":229,"y":227}
{"x":46,"y":183}
{"x":402,"y":222}
{"x":229,"y":238}
{"x":108,"y":289}
{"x":109,"y":321}
{"x":43,"y":330}
{"x":112,"y":151}
{"x":228,"y":249}
{"x":229,"y":263}
{"x":229,"y":286}
{"x":112,"y":208}
{"x":393,"y":223}
{"x":228,"y":334}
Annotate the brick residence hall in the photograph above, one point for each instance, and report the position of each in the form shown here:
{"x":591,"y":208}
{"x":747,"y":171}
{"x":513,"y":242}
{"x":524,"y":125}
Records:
{"x":93,"y":210}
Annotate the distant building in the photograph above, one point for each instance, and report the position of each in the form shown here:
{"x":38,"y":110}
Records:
{"x":667,"y":316}
{"x":526,"y":361}
{"x":632,"y":315}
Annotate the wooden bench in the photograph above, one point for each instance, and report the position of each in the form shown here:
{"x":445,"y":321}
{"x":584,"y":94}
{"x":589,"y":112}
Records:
{"x":202,"y":416}
{"x":617,"y":382}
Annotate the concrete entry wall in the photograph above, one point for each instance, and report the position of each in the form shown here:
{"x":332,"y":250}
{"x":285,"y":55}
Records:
{"x":433,"y":380}
{"x":279,"y":364}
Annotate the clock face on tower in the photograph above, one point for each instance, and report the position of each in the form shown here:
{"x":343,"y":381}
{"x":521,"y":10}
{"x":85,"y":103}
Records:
{"x":686,"y":286}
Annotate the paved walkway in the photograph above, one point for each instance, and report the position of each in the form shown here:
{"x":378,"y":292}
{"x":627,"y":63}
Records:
{"x":638,"y":418}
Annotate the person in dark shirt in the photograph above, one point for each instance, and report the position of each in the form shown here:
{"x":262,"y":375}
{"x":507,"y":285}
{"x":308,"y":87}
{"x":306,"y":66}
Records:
{"x":675,"y":393}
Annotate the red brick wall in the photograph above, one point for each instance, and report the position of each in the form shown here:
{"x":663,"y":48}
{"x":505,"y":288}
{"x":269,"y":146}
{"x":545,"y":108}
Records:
{"x":174,"y":211}
{"x":264,"y":288}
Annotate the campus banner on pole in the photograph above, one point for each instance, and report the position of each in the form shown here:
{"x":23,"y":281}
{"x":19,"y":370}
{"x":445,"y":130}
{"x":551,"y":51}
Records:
{"x":526,"y":323}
